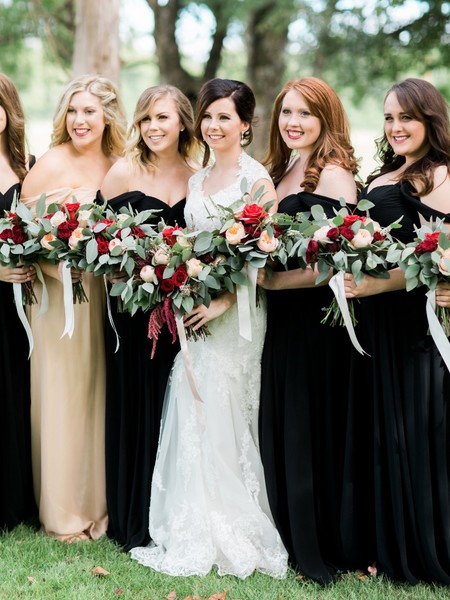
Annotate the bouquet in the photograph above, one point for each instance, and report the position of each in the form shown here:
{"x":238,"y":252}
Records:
{"x":18,"y":247}
{"x":170,"y":276}
{"x":426,"y":261}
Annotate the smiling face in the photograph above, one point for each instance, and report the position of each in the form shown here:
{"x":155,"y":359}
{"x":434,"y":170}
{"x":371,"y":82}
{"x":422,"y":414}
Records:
{"x":161,"y":128}
{"x":299,"y":129}
{"x":406,"y":134}
{"x":85,"y":119}
{"x":221,"y":125}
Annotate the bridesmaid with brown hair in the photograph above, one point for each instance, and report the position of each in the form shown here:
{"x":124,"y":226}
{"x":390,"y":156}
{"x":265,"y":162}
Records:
{"x":16,"y":492}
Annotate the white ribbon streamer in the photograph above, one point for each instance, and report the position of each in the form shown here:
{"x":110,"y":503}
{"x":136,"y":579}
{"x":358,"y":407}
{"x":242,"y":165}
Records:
{"x":17,"y":289}
{"x":436,"y":331}
{"x":110,"y":317}
{"x":336,"y":283}
{"x":44,"y":295}
{"x":246,"y":303}
{"x":190,"y":372}
{"x":68,"y":299}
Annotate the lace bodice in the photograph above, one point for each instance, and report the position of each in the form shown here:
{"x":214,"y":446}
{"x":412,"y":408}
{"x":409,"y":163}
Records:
{"x":200,"y":209}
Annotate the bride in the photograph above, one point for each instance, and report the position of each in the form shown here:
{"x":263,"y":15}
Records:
{"x":209,"y":504}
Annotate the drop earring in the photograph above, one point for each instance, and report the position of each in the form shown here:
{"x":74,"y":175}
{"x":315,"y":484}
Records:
{"x":243,"y":138}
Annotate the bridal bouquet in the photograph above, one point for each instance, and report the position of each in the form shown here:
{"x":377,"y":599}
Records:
{"x":18,"y":247}
{"x":170,"y":277}
{"x":347,"y":243}
{"x":426,"y":261}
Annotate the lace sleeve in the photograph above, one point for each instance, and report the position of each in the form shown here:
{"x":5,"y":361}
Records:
{"x":252,"y":171}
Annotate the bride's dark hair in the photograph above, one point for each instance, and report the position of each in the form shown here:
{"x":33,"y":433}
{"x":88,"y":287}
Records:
{"x":244,"y":102}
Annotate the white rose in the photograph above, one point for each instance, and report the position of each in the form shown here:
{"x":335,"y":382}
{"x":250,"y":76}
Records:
{"x":184,"y":241}
{"x":83,"y":217}
{"x":76,"y":237}
{"x":235,"y":233}
{"x":266,"y":243}
{"x":115,"y":243}
{"x":160,"y":257}
{"x":321,"y":235}
{"x":58,"y":218}
{"x":147,"y":274}
{"x":121,"y":218}
{"x":193,"y":267}
{"x":45,"y":241}
{"x":442,"y":265}
{"x":362,"y":239}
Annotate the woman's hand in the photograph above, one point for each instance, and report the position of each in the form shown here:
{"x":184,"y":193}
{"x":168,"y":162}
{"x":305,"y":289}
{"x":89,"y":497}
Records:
{"x":443,"y":295}
{"x":202,"y":314}
{"x":76,"y":274}
{"x":117,"y":277}
{"x":266,"y":281}
{"x":370,"y":286}
{"x":17,"y":274}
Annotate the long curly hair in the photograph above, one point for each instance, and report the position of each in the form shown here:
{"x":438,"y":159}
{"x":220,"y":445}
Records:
{"x":137,"y":150}
{"x":421,"y":101}
{"x":333,"y":145}
{"x":15,"y":126}
{"x":114,"y":135}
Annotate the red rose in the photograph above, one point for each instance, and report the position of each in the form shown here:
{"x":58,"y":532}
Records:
{"x":433,"y":236}
{"x":64,"y":231}
{"x":252,"y":230}
{"x":253,"y":213}
{"x":6,"y":234}
{"x":312,"y":251}
{"x":350,"y":219}
{"x":102,"y":245}
{"x":333,"y":233}
{"x":378,"y":237}
{"x":72,"y":224}
{"x":334,"y":247}
{"x":346,"y":232}
{"x":426,"y":246}
{"x":106,"y":221}
{"x":18,"y":235}
{"x":166,"y":285}
{"x":180,"y":276}
{"x":168,"y":236}
{"x":137,"y":232}
{"x":72,"y":208}
{"x":159,"y":272}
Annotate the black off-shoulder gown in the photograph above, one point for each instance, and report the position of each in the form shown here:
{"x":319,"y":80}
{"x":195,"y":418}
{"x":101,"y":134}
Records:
{"x":399,"y":397}
{"x":134,"y":398}
{"x":16,"y":489}
{"x":305,"y":374}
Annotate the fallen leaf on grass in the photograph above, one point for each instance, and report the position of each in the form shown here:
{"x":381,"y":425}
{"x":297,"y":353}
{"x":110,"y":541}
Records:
{"x":99,"y":571}
{"x":192,"y":598}
{"x":31,"y":579}
{"x":219,"y":596}
{"x":299,"y":577}
{"x":172,"y":595}
{"x":118,"y":591}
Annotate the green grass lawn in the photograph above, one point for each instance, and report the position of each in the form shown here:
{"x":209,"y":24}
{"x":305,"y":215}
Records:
{"x":35,"y":566}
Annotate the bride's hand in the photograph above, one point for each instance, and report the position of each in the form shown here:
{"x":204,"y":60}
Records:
{"x":202,"y":314}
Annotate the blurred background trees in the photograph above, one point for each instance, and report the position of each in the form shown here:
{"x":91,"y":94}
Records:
{"x":360,"y":47}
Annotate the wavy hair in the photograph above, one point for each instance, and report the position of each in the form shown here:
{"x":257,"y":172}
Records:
{"x":421,"y":101}
{"x":136,"y":149}
{"x":244,"y":102}
{"x":114,"y":135}
{"x":15,"y":126}
{"x":333,"y":145}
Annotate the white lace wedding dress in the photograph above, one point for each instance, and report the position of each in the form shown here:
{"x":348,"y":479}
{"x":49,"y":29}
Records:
{"x":208,"y":501}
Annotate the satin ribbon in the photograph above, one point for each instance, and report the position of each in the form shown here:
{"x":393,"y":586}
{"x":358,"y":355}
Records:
{"x":17,"y":289}
{"x":68,"y":299}
{"x":110,"y":317}
{"x":190,"y":372}
{"x":336,"y":283}
{"x":436,"y":331}
{"x":44,"y":295}
{"x":246,"y":303}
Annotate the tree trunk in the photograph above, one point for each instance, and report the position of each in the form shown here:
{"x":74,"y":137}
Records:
{"x":97,"y":38}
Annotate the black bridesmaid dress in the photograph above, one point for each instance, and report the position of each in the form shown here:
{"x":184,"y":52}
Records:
{"x":134,"y":397}
{"x":16,"y":488}
{"x":305,"y":373}
{"x":405,"y":388}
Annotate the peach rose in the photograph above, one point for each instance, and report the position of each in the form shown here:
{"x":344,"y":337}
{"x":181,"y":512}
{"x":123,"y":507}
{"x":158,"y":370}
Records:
{"x":362,"y":239}
{"x":193,"y":267}
{"x":161,"y":257}
{"x":45,"y":241}
{"x":443,"y":268}
{"x":115,"y":243}
{"x":266,"y":243}
{"x":77,"y":237}
{"x":235,"y":233}
{"x":147,"y":274}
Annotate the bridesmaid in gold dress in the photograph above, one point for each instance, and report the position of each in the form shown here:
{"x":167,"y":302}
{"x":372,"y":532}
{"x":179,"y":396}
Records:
{"x":68,"y":374}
